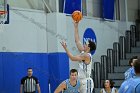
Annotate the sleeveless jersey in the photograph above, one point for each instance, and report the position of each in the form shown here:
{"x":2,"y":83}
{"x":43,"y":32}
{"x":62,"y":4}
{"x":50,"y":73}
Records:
{"x":72,"y":89}
{"x":84,"y":70}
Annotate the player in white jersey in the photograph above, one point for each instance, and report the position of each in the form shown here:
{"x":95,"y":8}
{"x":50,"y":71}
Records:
{"x":85,"y":61}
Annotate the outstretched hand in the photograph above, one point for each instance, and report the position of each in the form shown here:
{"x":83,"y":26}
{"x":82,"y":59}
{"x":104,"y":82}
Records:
{"x":64,"y":44}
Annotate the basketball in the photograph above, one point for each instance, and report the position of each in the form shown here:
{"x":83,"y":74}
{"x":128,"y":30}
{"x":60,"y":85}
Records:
{"x":77,"y":16}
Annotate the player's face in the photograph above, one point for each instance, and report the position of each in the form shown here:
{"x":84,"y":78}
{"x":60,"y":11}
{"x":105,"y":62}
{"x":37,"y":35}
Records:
{"x":73,"y":76}
{"x":86,"y":47}
{"x":132,"y":64}
{"x":30,"y":72}
{"x":107,"y":84}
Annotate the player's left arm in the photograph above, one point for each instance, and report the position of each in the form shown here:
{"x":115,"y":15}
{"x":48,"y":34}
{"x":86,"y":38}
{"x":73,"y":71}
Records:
{"x":84,"y":57}
{"x":71,"y":56}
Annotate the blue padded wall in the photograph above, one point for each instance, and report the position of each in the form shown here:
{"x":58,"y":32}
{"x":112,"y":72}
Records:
{"x":71,"y":5}
{"x":13,"y":66}
{"x":1,"y":73}
{"x":50,"y":68}
{"x":108,"y":9}
{"x":59,"y":69}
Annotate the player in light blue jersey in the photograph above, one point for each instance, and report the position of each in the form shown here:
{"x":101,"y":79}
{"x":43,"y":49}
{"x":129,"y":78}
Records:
{"x":132,"y":85}
{"x":71,"y":85}
{"x":126,"y":86}
{"x":130,"y":73}
{"x":136,"y":80}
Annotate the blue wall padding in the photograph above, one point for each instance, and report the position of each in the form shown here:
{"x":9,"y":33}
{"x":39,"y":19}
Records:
{"x":13,"y":66}
{"x":1,"y":73}
{"x":108,"y":9}
{"x":71,"y":5}
{"x":48,"y":68}
{"x":59,"y":69}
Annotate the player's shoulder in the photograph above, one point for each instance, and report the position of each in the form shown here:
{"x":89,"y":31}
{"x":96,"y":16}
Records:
{"x":138,"y":88}
{"x":87,"y":55}
{"x":35,"y":78}
{"x":24,"y":78}
{"x":63,"y":84}
{"x":126,"y":82}
{"x":102,"y":90}
{"x":136,"y":80}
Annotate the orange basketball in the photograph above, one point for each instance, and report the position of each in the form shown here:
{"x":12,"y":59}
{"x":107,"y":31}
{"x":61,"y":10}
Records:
{"x":77,"y":16}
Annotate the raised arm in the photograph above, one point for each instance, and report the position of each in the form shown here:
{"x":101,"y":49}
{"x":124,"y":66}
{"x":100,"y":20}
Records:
{"x":76,"y":58}
{"x":61,"y":87}
{"x":77,"y":38}
{"x":71,"y":56}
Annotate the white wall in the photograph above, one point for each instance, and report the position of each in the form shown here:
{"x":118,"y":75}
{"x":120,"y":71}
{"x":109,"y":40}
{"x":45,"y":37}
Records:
{"x":25,"y":33}
{"x":34,"y":4}
{"x":132,"y":7}
{"x":29,"y":29}
{"x":128,"y":8}
{"x":95,"y":7}
{"x":27,"y":4}
{"x":56,"y":24}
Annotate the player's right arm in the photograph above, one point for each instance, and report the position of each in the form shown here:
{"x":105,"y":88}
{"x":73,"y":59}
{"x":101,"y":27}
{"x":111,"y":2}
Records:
{"x":21,"y":85}
{"x":77,"y":38}
{"x":61,"y":87}
{"x":21,"y":88}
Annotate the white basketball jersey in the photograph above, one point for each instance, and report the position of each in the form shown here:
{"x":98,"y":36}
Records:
{"x":113,"y":90}
{"x":84,"y":70}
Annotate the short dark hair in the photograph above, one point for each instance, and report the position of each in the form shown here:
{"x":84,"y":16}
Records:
{"x":73,"y":71}
{"x":92,"y":45}
{"x":131,"y":60}
{"x":29,"y":68}
{"x":137,"y":65}
{"x":111,"y":83}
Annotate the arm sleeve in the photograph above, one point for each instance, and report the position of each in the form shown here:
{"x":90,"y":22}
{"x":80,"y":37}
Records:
{"x":36,"y":80}
{"x":22,"y":81}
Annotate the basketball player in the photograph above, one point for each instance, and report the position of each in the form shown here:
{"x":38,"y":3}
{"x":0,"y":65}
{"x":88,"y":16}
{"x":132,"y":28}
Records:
{"x":71,"y":85}
{"x":132,"y":85}
{"x":130,"y":73}
{"x":85,"y":61}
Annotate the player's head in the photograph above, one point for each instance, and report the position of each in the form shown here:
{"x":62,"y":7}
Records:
{"x":108,"y":84}
{"x":90,"y":46}
{"x":30,"y":72}
{"x":73,"y":74}
{"x":131,"y":61}
{"x":137,"y":66}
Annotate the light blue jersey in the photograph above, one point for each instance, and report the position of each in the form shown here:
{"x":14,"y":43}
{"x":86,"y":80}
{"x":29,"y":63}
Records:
{"x":136,"y":84}
{"x":131,"y":85}
{"x":126,"y":86}
{"x":130,"y":73}
{"x":72,"y":89}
